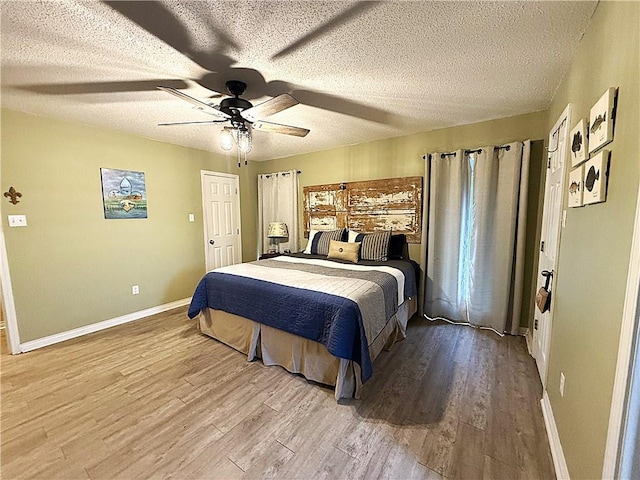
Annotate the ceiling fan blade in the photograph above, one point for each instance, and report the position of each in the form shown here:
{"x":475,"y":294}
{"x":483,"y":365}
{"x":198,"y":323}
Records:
{"x":191,"y":123}
{"x":340,"y":19}
{"x":277,"y":128}
{"x":204,"y":107}
{"x":101,"y":87}
{"x":270,"y":107}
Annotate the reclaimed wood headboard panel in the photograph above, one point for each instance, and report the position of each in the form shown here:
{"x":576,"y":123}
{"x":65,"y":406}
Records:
{"x":389,"y":204}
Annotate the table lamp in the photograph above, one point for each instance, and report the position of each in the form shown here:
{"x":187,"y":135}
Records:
{"x":278,"y":230}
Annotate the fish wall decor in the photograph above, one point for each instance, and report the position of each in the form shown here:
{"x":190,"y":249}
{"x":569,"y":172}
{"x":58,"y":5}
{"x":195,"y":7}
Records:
{"x":579,"y":138}
{"x":595,"y":178}
{"x":602,"y":119}
{"x":575,"y":187}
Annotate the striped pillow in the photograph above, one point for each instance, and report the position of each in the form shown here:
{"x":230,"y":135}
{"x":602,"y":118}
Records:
{"x":318,"y":243}
{"x":375,"y":246}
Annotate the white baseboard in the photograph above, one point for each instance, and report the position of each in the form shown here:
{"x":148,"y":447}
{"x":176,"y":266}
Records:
{"x":559,"y":462}
{"x":95,"y":327}
{"x":528,"y":336}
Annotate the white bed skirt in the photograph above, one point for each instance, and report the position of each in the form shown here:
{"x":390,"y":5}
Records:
{"x":300,"y":355}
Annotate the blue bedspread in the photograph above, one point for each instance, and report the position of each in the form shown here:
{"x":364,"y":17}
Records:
{"x":333,"y":319}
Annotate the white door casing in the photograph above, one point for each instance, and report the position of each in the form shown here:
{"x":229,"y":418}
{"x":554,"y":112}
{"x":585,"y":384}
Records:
{"x":221,"y":217}
{"x":619,"y":445}
{"x":550,"y":235}
{"x":10,"y":317}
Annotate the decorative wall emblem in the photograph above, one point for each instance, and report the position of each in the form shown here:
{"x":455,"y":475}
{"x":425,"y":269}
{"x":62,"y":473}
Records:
{"x":13,"y":195}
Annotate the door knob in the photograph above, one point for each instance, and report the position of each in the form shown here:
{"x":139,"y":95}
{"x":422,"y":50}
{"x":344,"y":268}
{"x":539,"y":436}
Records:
{"x":212,"y":242}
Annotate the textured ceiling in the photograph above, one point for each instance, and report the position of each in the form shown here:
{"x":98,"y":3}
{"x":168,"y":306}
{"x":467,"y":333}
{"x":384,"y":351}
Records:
{"x":361,"y":71}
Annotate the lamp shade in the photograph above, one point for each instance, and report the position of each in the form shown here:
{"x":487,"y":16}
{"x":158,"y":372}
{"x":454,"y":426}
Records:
{"x":278,"y":230}
{"x":226,"y":139}
{"x":244,"y":141}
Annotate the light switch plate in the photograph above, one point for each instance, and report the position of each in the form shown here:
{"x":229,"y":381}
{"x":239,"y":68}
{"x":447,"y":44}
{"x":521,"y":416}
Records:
{"x":17,"y":220}
{"x":192,"y":217}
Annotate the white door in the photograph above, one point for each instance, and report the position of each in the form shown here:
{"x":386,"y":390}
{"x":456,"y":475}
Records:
{"x":221,"y":212}
{"x":550,"y":236}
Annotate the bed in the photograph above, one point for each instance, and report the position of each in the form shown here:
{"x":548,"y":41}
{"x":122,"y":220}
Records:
{"x":325,"y":318}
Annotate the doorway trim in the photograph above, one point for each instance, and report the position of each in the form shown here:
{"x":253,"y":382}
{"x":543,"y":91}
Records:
{"x":624,"y":364}
{"x":11,"y":319}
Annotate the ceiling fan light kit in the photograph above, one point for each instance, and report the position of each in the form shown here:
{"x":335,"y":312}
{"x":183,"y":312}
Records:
{"x":226,"y":138}
{"x":242,"y":115}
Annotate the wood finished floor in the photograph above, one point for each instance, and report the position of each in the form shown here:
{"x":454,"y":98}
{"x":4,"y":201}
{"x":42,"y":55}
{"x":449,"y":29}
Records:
{"x":156,"y":399}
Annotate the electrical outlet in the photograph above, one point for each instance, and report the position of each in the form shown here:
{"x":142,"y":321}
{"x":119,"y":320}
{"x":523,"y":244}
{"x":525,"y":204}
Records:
{"x":17,"y":220}
{"x":561,"y":384}
{"x":135,"y":290}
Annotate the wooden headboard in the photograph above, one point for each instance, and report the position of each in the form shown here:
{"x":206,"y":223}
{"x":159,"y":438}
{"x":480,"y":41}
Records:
{"x":389,"y":204}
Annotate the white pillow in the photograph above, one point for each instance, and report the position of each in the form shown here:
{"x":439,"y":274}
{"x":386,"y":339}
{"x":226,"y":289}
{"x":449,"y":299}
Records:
{"x":312,"y":233}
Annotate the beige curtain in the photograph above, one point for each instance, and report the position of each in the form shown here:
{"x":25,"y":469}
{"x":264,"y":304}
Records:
{"x":476,"y":238}
{"x":445,"y":289}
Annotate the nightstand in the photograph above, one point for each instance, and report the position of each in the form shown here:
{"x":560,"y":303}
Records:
{"x":264,"y":256}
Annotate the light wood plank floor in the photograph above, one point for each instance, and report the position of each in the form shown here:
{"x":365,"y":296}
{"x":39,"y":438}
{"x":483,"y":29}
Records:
{"x":156,"y":399}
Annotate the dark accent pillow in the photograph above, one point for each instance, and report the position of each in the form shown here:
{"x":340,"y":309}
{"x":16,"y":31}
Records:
{"x":396,"y":246}
{"x":375,"y":246}
{"x":318,"y":243}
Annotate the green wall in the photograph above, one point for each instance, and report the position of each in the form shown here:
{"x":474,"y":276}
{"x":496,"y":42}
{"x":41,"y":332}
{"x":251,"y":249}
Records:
{"x":595,"y":245}
{"x":402,"y":157}
{"x":70,"y":267}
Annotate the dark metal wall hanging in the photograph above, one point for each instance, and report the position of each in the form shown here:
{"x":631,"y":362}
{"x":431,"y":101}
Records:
{"x":13,"y":195}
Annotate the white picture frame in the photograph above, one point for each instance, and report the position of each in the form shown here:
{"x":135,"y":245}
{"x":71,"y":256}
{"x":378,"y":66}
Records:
{"x":601,"y":120}
{"x":579,"y":138}
{"x":595,"y":172}
{"x":574,"y":190}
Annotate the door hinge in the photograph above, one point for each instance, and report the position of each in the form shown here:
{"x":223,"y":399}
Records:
{"x":236,"y":191}
{"x":549,"y":163}
{"x":535,"y":324}
{"x":542,"y":246}
{"x":237,"y":231}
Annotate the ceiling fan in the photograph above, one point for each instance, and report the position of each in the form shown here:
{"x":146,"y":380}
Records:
{"x":241,"y":114}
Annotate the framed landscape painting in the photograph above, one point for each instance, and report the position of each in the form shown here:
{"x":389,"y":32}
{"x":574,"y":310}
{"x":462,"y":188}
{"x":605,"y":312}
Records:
{"x":124,"y":193}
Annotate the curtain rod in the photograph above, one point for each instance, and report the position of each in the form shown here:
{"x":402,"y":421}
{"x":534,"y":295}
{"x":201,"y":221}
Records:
{"x":269,"y":175}
{"x":467,"y":152}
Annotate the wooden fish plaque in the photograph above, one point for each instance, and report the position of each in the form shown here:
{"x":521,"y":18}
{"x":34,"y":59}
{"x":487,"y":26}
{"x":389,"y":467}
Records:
{"x":390,"y":204}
